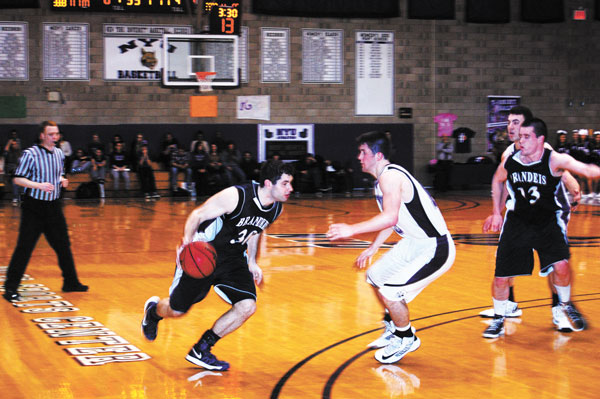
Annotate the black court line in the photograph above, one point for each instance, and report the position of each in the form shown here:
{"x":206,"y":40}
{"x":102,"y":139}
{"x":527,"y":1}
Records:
{"x":462,"y":205}
{"x":334,"y":376}
{"x":329,"y":384}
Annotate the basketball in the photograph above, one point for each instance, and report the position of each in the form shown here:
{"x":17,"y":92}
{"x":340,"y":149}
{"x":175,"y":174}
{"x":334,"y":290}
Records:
{"x":198,"y":259}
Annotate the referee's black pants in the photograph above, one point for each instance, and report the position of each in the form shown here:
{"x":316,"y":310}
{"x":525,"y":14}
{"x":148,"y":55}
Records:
{"x":39,"y":217}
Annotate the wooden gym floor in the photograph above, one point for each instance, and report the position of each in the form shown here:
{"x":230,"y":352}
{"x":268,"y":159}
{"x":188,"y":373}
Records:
{"x":315,"y":314}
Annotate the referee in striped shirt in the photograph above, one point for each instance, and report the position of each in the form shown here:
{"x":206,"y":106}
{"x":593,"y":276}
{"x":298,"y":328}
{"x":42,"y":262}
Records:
{"x":40,"y":171}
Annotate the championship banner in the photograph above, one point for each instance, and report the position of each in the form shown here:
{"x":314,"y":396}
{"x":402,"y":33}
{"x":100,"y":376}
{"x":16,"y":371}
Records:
{"x":134,"y":52}
{"x":254,"y":107}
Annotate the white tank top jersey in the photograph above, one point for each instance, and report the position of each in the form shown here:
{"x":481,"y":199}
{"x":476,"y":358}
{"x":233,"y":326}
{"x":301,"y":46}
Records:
{"x":419,"y":218}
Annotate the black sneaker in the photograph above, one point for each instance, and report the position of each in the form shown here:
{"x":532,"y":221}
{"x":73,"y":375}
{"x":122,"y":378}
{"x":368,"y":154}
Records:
{"x":575,"y":318}
{"x":77,"y":287}
{"x":200,"y":355}
{"x":150,"y":324}
{"x":12,"y":296}
{"x":495,"y":329}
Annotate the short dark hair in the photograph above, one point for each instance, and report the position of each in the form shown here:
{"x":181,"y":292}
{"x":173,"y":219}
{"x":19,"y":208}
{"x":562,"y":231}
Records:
{"x":272,"y":170}
{"x":377,"y":142}
{"x":539,"y":127}
{"x":521,"y":110}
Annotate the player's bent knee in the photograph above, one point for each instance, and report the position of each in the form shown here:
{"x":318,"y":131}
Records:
{"x":175,"y":313}
{"x":502,"y":282}
{"x":245,"y":308}
{"x":561,"y":268}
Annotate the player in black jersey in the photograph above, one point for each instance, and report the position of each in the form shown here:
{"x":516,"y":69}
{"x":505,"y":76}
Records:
{"x":516,"y":117}
{"x":532,"y":221}
{"x":232,"y":221}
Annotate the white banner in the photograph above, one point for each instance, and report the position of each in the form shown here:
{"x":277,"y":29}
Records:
{"x":275,"y":55}
{"x":254,"y":107}
{"x":14,"y":50}
{"x":134,"y":52}
{"x":374,"y":73}
{"x":66,"y":51}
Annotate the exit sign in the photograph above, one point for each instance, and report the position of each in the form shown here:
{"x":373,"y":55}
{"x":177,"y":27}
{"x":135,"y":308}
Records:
{"x":580,"y":15}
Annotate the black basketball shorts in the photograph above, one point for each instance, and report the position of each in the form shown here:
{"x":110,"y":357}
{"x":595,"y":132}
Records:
{"x":519,"y":239}
{"x":232,"y":280}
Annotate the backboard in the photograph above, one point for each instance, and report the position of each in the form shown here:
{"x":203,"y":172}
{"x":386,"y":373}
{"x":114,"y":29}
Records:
{"x":184,"y":55}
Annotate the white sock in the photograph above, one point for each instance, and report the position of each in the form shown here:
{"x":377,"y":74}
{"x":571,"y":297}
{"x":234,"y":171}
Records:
{"x":564,"y":293}
{"x":500,"y":307}
{"x":405,"y":328}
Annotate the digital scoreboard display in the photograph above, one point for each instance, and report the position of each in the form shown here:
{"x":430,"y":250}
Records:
{"x":128,"y":6}
{"x":225,"y":17}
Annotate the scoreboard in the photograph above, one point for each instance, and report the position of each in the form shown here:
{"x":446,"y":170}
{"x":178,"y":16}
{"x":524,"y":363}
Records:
{"x":129,"y":6}
{"x":225,"y":17}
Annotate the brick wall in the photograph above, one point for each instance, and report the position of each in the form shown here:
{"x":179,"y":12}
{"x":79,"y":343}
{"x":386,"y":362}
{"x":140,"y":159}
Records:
{"x":441,"y":66}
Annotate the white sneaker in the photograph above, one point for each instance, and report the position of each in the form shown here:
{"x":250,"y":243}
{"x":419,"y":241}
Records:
{"x":512,"y":310}
{"x":386,"y":336}
{"x":397,"y":349}
{"x":559,"y":318}
{"x":567,"y":318}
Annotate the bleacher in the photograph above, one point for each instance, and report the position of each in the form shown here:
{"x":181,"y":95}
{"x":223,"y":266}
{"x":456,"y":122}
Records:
{"x":161,"y":177}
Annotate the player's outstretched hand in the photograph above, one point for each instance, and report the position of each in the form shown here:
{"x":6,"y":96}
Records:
{"x":338,"y":231}
{"x":492,"y":223}
{"x":365,"y":257}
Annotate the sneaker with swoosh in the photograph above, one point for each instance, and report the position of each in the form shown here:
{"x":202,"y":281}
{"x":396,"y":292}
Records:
{"x":200,"y":355}
{"x":397,"y":349}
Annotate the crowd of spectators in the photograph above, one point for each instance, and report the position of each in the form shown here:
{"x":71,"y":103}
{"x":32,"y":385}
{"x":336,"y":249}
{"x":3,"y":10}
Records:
{"x":198,"y":169}
{"x":583,"y":145}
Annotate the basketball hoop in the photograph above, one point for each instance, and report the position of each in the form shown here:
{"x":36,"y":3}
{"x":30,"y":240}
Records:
{"x":205,"y":80}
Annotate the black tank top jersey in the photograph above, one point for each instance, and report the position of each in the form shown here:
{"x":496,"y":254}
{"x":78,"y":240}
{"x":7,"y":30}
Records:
{"x":229,"y":234}
{"x":533,"y":188}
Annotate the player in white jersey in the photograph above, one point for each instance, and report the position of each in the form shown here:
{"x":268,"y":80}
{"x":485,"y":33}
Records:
{"x":425,"y":252}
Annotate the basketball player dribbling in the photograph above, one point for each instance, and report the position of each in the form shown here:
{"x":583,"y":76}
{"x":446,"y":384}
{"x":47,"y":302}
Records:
{"x":232,"y":221}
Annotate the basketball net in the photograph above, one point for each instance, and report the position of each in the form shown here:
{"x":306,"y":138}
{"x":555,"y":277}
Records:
{"x":205,"y":80}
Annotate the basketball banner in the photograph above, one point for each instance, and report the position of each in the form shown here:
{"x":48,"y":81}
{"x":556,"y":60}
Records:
{"x":134,"y":52}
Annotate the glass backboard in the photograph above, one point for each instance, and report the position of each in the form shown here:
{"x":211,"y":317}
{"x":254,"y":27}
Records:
{"x":184,"y":55}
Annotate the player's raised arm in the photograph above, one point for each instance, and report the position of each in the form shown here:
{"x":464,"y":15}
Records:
{"x":564,"y":162}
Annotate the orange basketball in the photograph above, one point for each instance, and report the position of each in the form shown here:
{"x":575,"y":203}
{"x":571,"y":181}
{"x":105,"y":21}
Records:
{"x":198,"y":259}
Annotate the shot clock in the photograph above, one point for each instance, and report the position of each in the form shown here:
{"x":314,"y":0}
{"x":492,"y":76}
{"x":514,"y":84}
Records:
{"x":225,"y":16}
{"x":129,"y":6}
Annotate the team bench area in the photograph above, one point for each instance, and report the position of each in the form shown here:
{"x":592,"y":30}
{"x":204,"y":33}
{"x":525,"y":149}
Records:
{"x":161,"y":177}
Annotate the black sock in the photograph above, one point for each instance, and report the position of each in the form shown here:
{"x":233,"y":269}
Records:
{"x":153,"y":314}
{"x":387,"y":317}
{"x":511,"y":294}
{"x":403,"y":334}
{"x":555,"y":301}
{"x":209,"y":337}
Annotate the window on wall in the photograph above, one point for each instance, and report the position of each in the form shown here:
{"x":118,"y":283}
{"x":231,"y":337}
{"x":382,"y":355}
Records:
{"x":431,"y":9}
{"x":20,"y":4}
{"x":330,"y":8}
